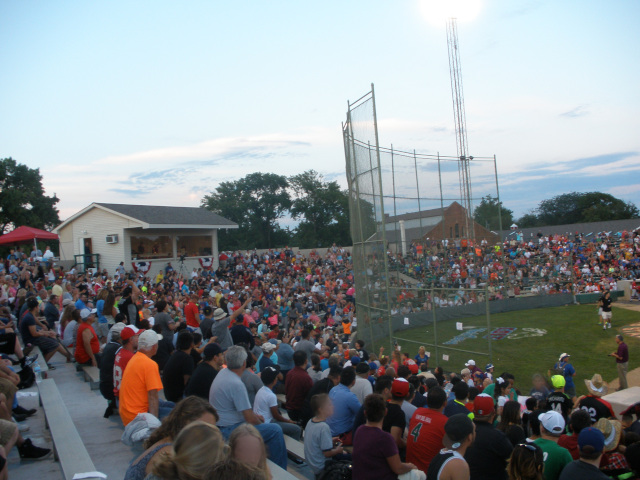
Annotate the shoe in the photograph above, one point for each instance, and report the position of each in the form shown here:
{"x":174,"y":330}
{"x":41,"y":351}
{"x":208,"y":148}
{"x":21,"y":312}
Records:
{"x":604,"y":327}
{"x":29,"y":451}
{"x":609,"y":325}
{"x":50,"y":367}
{"x":19,"y":417}
{"x":28,"y":361}
{"x":23,"y":427}
{"x":23,"y":411}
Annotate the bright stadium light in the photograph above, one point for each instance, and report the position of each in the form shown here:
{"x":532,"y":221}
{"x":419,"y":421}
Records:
{"x":436,"y":12}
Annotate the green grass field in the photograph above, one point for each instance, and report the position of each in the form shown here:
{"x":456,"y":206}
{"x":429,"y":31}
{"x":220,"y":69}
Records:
{"x":570,"y":329}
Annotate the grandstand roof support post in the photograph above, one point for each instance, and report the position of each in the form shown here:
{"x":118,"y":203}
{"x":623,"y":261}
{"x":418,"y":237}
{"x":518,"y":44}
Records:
{"x":488,"y":314}
{"x":382,"y":219}
{"x":415,"y":167}
{"x":435,"y":321}
{"x":495,"y":169}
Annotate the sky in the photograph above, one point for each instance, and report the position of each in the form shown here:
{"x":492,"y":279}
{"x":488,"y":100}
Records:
{"x":157,"y":102}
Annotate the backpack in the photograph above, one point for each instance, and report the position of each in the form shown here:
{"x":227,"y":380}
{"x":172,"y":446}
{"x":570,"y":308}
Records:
{"x":558,"y":369}
{"x":27,"y":377}
{"x":337,"y":470}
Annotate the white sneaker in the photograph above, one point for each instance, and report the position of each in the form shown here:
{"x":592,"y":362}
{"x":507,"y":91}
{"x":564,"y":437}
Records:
{"x":608,"y":325}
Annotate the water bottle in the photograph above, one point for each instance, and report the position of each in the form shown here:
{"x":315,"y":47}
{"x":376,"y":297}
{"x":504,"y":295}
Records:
{"x":37,"y":372}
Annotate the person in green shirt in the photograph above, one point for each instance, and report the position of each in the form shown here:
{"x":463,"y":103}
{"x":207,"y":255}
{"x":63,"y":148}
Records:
{"x":555,"y":457}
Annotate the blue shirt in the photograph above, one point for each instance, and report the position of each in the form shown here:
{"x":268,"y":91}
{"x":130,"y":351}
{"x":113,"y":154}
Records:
{"x":569,"y":372}
{"x":285,"y":357}
{"x":80,"y":305}
{"x":100,"y":309}
{"x":345,"y":408}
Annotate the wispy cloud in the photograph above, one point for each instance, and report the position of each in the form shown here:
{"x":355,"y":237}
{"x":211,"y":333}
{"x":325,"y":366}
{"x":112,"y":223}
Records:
{"x":579,"y":111}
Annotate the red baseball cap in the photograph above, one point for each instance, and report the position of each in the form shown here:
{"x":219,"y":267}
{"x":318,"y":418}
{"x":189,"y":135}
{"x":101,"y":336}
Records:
{"x":483,"y":405}
{"x":130,"y":331}
{"x":400,"y":387}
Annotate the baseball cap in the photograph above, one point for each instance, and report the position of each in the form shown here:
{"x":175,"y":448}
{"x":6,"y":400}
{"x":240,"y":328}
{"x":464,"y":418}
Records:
{"x":457,"y":428}
{"x":488,"y":367}
{"x":558,"y":381}
{"x":363,"y":367}
{"x":148,"y":339}
{"x":591,"y":437}
{"x":117,"y":328}
{"x":483,"y":405}
{"x":563,"y":355}
{"x":373,"y":366}
{"x":470,"y":363}
{"x":400,"y":387}
{"x":268,"y":347}
{"x":86,"y":313}
{"x":274,"y":341}
{"x":413,"y":367}
{"x":269,"y":374}
{"x":66,"y":301}
{"x":129,"y":331}
{"x":355,"y":360}
{"x":552,"y":422}
{"x":211,"y":350}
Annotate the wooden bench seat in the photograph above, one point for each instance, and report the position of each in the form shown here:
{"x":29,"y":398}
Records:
{"x":278,"y":473}
{"x":68,"y":447}
{"x":294,"y":447}
{"x":91,"y":375}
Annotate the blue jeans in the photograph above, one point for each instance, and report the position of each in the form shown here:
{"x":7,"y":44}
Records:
{"x":164,"y":408}
{"x":273,"y":438}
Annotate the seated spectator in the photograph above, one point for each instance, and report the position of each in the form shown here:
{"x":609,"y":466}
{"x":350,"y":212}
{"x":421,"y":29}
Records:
{"x":35,"y":332}
{"x":229,"y":397}
{"x":247,"y":447}
{"x":297,"y":385}
{"x":206,"y":371}
{"x":321,"y":386}
{"x":129,"y":339}
{"x":375,"y":453}
{"x":196,"y":449}
{"x":426,"y":430}
{"x":407,"y":404}
{"x":87,"y":342}
{"x":578,"y":421}
{"x":179,"y":367}
{"x":450,"y":462}
{"x":165,"y":348}
{"x":399,"y":390}
{"x":318,"y":443}
{"x":264,"y":360}
{"x":250,"y":379}
{"x":629,"y":424}
{"x":632,"y":454}
{"x":526,"y":463}
{"x":141,"y":382}
{"x":106,"y":368}
{"x":70,"y":328}
{"x":597,"y":406}
{"x":10,"y":436}
{"x":555,"y":458}
{"x":189,"y":410}
{"x":587,"y":467}
{"x":613,"y":461}
{"x":457,"y":405}
{"x":511,"y":423}
{"x":266,"y":404}
{"x":488,"y":456}
{"x":362,"y":387}
{"x":345,"y":405}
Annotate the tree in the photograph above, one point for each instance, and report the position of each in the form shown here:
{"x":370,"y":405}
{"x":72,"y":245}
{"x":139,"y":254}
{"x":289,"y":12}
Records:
{"x":255,"y":202}
{"x":490,"y":213}
{"x":528,"y":220}
{"x":584,"y":207}
{"x":22,"y":198}
{"x":323,"y":210}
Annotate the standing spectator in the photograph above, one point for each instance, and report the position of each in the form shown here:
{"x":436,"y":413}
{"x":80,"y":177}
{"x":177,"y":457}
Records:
{"x":375,"y":453}
{"x":306,"y":345}
{"x":285,"y":354}
{"x":192,"y":313}
{"x":206,"y":371}
{"x":605,"y":302}
{"x":457,"y":405}
{"x":426,"y":430}
{"x":579,"y":420}
{"x":266,"y":404}
{"x":179,"y":368}
{"x":229,"y":397}
{"x":241,"y":334}
{"x":345,"y":405}
{"x":593,"y":403}
{"x":557,"y":400}
{"x":129,"y":339}
{"x":164,"y":320}
{"x":399,"y":390}
{"x":207,"y":322}
{"x":362,"y":353}
{"x":422,"y":358}
{"x":318,"y":444}
{"x":564,"y":368}
{"x":556,"y":458}
{"x":450,"y":462}
{"x":511,"y":423}
{"x":87,"y":343}
{"x":221,"y":322}
{"x":488,"y":456}
{"x":106,"y":368}
{"x":526,"y":463}
{"x":297,"y":385}
{"x":587,"y":467}
{"x":127,"y":305}
{"x":622,"y":361}
{"x":141,"y":382}
{"x":362,"y":387}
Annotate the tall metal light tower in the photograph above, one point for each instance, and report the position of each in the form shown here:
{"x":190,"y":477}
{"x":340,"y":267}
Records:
{"x":460,"y":120}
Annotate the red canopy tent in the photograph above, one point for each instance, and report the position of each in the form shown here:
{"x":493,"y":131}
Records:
{"x":26,"y":234}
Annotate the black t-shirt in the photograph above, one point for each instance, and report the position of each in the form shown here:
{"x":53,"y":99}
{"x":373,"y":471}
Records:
{"x":106,"y":369}
{"x":394,"y":418}
{"x":606,"y":303}
{"x":561,"y":403}
{"x":205,"y":327}
{"x":363,"y":354}
{"x":241,"y":334}
{"x":179,"y":365}
{"x":487,"y":456}
{"x":165,"y":347}
{"x":196,"y":357}
{"x":27,"y":320}
{"x":595,"y":408}
{"x":201,"y":380}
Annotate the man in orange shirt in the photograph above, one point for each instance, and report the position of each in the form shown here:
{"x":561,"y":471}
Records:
{"x":141,"y":382}
{"x":192,"y":313}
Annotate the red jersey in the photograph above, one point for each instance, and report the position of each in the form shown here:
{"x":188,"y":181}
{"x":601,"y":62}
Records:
{"x":192,"y":314}
{"x":122,"y":358}
{"x":81,"y":355}
{"x":424,"y":442}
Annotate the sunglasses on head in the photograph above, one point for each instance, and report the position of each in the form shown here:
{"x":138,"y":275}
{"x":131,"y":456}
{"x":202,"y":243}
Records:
{"x":528,"y":446}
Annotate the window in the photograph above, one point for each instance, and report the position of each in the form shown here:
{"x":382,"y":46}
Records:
{"x":457,"y":231}
{"x":148,"y":247}
{"x":462,"y":232}
{"x":450,"y":232}
{"x":195,"y":246}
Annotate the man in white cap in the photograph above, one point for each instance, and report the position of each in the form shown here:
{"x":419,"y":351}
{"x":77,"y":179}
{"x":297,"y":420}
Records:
{"x":564,"y":368}
{"x":555,"y":457}
{"x":471,"y":365}
{"x":141,"y":382}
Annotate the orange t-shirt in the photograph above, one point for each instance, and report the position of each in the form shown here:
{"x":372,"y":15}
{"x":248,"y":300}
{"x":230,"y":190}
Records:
{"x":140,"y":377}
{"x":81,"y":355}
{"x":346,"y":328}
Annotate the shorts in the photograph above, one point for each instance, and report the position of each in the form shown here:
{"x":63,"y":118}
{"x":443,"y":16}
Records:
{"x":46,"y":344}
{"x":606,"y":315}
{"x":600,"y":312}
{"x":8,"y":389}
{"x":7,"y":430}
{"x":570,"y":391}
{"x":102,"y":330}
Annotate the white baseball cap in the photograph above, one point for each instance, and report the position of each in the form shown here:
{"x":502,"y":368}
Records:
{"x":552,"y":422}
{"x":148,"y":339}
{"x":470,"y":363}
{"x":86,"y":313}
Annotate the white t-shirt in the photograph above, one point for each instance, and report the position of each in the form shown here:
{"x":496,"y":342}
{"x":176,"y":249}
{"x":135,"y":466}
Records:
{"x":265,"y":399}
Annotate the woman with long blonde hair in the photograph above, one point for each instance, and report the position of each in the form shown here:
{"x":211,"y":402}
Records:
{"x":197,"y":448}
{"x":248,"y":447}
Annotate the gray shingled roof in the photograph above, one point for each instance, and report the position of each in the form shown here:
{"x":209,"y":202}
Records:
{"x":433,"y":212}
{"x":160,"y":215}
{"x":583,"y":228}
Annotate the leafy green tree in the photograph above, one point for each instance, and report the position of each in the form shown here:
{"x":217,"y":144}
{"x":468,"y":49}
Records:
{"x":584,"y":207}
{"x":322,"y":209}
{"x":490,"y":213}
{"x":527,"y":220}
{"x":22,"y":198}
{"x":255,"y":202}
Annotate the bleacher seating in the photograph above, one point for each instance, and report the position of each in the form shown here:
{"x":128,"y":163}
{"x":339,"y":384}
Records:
{"x":279,"y":473}
{"x":91,"y":375}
